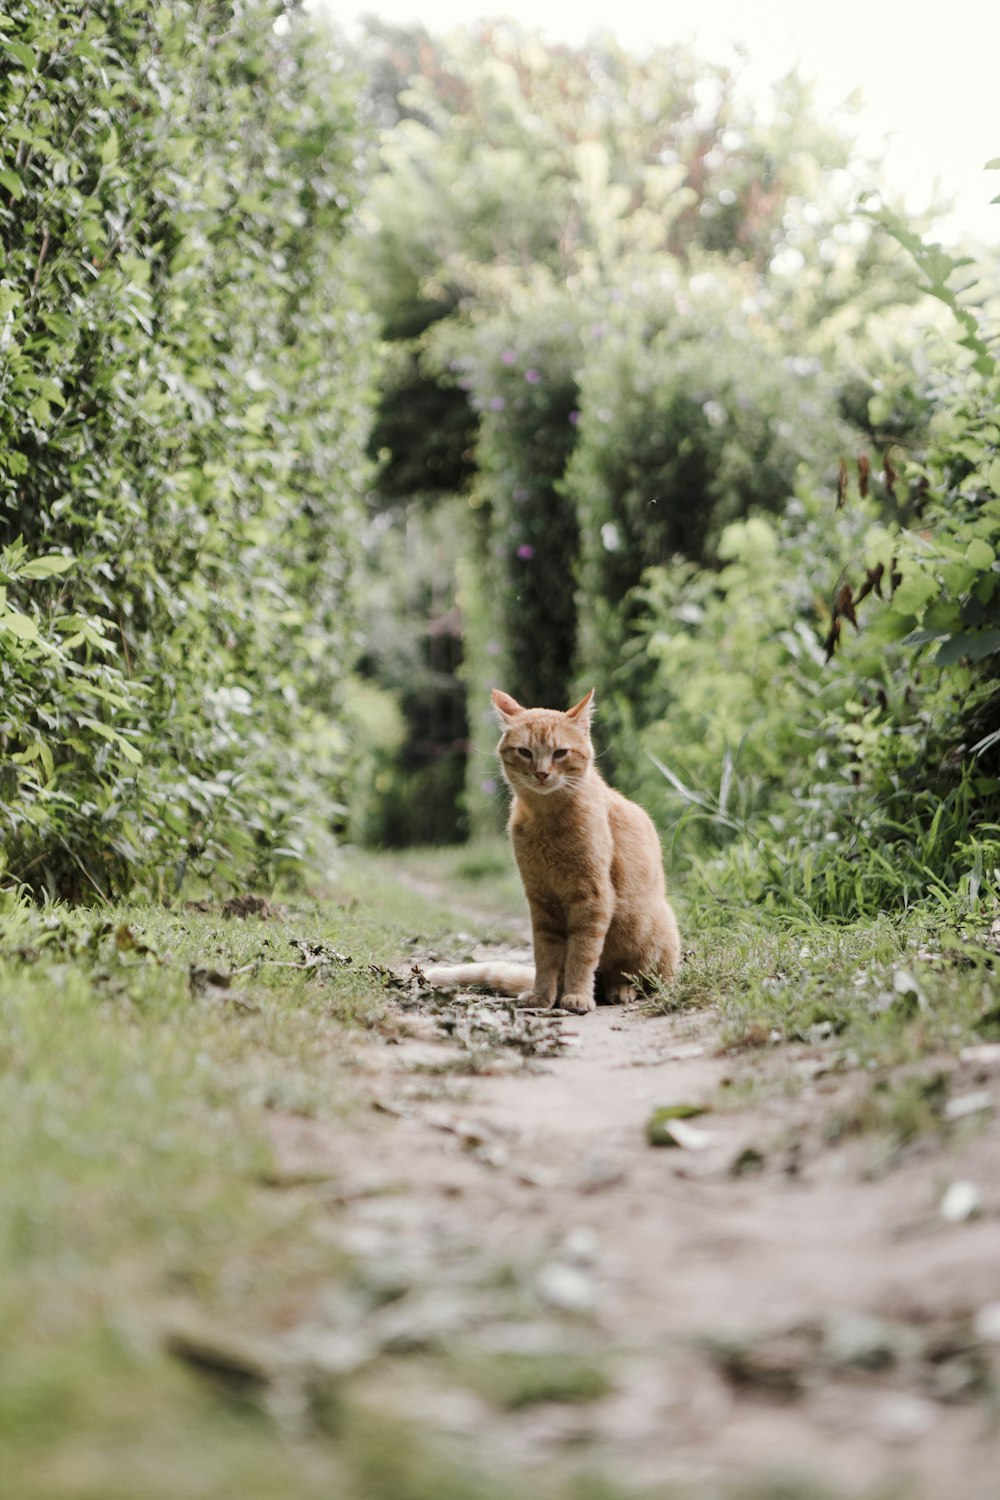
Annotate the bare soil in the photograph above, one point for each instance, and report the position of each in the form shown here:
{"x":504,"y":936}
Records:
{"x":761,"y":1301}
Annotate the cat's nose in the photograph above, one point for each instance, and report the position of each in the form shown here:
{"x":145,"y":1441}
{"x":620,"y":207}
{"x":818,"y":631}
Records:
{"x":542,"y":775}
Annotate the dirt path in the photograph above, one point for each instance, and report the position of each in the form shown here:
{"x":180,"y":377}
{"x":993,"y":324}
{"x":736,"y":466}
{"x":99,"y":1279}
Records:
{"x":755,"y":1302}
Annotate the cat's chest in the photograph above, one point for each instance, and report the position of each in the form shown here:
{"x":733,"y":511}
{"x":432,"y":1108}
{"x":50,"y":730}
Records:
{"x":556,"y":857}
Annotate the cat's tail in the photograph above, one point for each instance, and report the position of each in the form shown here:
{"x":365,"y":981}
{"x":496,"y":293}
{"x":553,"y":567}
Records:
{"x":506,"y":979}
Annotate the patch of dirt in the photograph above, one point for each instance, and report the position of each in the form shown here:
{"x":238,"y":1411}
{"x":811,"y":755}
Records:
{"x":760,"y":1302}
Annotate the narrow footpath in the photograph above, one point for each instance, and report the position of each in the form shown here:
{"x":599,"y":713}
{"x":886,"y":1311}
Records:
{"x":548,"y":1289}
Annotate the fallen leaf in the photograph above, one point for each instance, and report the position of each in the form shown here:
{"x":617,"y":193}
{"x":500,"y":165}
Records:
{"x":668,"y":1126}
{"x":221,"y":1350}
{"x":690,"y":1137}
{"x":127,"y":942}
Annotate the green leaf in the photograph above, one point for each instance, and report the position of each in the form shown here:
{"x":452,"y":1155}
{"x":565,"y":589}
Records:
{"x":924,"y":637}
{"x":915,"y":591}
{"x":21,"y":626}
{"x":24,"y":54}
{"x":108,"y":149}
{"x":979,"y":554}
{"x":47,"y":567}
{"x":975,"y":645}
{"x":11,"y":182}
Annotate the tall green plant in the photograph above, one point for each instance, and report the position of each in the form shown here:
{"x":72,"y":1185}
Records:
{"x":183,"y":414}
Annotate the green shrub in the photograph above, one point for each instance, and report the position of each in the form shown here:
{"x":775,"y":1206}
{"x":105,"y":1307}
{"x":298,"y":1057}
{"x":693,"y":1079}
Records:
{"x":183,"y":374}
{"x":870,"y":782}
{"x":690,"y":418}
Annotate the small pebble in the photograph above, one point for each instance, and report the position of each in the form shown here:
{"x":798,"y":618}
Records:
{"x":986,"y":1323}
{"x":580,"y":1247}
{"x":566,"y":1287}
{"x":961,"y":1201}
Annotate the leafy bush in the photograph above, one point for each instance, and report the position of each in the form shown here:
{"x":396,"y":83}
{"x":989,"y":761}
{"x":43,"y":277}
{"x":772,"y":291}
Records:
{"x":741,"y":703}
{"x":871,"y":782}
{"x":183,"y":372}
{"x":690,"y":418}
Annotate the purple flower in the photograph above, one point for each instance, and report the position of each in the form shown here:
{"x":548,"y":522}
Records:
{"x":509,"y":357}
{"x":526,"y":551}
{"x":488,"y":786}
{"x":574,"y":417}
{"x":497,"y":403}
{"x":532,"y":377}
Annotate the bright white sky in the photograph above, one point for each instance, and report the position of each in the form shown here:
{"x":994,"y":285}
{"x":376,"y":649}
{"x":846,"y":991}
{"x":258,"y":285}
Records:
{"x":929,"y":74}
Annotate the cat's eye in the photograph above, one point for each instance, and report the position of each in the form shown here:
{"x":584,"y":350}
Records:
{"x":559,"y":754}
{"x":523,"y":750}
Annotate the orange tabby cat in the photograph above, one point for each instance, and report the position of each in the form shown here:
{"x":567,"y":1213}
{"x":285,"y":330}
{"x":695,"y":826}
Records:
{"x":591,"y":867}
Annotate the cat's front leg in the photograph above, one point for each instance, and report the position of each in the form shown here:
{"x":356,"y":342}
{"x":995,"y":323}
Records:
{"x":588,"y":925}
{"x":548,"y":937}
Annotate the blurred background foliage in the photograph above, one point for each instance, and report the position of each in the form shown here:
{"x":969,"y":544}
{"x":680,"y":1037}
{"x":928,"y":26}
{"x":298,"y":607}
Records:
{"x":343,"y":382}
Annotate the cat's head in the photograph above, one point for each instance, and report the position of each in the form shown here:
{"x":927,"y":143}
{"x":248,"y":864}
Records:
{"x":543,"y":751}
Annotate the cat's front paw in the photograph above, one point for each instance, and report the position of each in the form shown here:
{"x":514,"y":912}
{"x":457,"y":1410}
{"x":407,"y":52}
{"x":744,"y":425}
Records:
{"x":578,"y":1004}
{"x":535,"y":1002}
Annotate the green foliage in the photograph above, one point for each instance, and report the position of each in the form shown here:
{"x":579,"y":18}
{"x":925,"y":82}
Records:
{"x":183,"y":371}
{"x":622,"y":309}
{"x":871,"y":782}
{"x":738,"y":712}
{"x":521,"y":377}
{"x":412,"y":651}
{"x":924,"y":822}
{"x":146,"y":1055}
{"x":690,"y":417}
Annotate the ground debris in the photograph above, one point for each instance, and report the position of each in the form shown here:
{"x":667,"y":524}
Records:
{"x":322,"y":959}
{"x":483,"y":1026}
{"x":246,"y":905}
{"x":961,"y":1201}
{"x":669,"y":1125}
{"x":778,"y":1364}
{"x":243,"y":905}
{"x":216,"y":984}
{"x":234,"y":1355}
{"x":567,"y":1288}
{"x":944,"y":1359}
{"x":126,"y":941}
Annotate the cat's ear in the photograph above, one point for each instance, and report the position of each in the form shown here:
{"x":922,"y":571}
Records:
{"x":507,"y":707}
{"x":581,"y":713}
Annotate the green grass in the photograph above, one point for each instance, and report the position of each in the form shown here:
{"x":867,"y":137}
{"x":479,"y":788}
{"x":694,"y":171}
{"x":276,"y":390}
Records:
{"x":511,"y":1381}
{"x":141,"y":1053}
{"x":887,"y":990}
